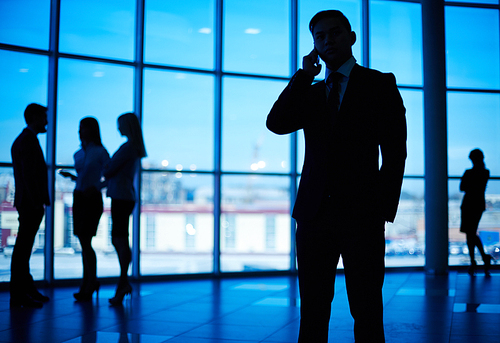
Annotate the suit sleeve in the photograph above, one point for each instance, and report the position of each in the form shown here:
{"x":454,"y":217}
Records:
{"x":288,"y":112}
{"x":34,"y":172}
{"x":392,"y":140}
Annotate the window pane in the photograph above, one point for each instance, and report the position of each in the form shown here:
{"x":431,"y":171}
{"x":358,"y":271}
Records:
{"x":103,"y":28}
{"x":177,"y":231}
{"x":473,"y":48}
{"x":405,"y":238}
{"x":255,"y":223}
{"x":180,"y":33}
{"x":489,"y":225}
{"x":396,"y":40}
{"x":103,"y":91}
{"x":9,"y":228}
{"x":256,"y":37}
{"x":24,"y":80}
{"x":178,"y":120}
{"x":25,"y":23}
{"x":247,"y":145}
{"x":473,"y":122}
{"x":307,"y":9}
{"x":413,"y":101}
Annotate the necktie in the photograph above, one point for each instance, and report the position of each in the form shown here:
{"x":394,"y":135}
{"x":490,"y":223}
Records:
{"x":333,"y":83}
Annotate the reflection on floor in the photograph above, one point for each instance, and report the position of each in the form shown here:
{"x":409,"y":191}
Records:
{"x":418,"y":308}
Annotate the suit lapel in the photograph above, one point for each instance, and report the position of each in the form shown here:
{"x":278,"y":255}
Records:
{"x":351,"y":90}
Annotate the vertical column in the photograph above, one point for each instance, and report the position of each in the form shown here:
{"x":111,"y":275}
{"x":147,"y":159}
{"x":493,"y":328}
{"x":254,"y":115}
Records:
{"x":138,"y":85}
{"x":365,"y":28}
{"x":219,"y":11}
{"x":55,"y":7}
{"x":436,"y":157}
{"x":294,"y":65}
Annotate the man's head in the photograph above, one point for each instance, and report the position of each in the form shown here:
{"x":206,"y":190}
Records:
{"x":333,"y":37}
{"x":35,"y":116}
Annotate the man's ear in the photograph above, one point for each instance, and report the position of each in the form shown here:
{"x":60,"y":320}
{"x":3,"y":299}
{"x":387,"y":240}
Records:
{"x":353,"y":38}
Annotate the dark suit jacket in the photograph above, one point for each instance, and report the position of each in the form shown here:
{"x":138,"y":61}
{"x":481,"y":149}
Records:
{"x":30,"y":171}
{"x":342,"y":154}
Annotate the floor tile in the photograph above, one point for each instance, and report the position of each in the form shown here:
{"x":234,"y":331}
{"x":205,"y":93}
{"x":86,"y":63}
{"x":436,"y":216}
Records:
{"x":454,"y":308}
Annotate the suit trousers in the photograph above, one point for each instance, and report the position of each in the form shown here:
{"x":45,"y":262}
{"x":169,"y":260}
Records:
{"x":21,"y":281}
{"x":360,"y":240}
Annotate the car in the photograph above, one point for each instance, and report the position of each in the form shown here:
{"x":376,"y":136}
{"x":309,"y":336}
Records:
{"x":495,"y":253}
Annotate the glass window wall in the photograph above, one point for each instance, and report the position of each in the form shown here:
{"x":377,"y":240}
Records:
{"x":176,"y":223}
{"x":247,"y":145}
{"x":25,"y":23}
{"x":396,"y":40}
{"x":24,"y":80}
{"x":176,"y":94}
{"x":255,"y":223}
{"x":101,"y":28}
{"x":256,"y":37}
{"x":178,"y":120}
{"x":476,"y":63}
{"x":180,"y":33}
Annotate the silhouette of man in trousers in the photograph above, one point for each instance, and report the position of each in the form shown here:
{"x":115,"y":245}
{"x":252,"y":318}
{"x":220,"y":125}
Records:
{"x":344,"y":196}
{"x":32,"y":194}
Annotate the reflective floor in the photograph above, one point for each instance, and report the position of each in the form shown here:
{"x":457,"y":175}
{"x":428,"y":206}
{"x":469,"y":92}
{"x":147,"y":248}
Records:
{"x":418,"y":308}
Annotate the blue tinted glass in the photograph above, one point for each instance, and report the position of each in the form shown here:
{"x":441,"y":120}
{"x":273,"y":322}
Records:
{"x":256,"y":37}
{"x":92,"y":89}
{"x":405,"y":238}
{"x":178,"y":120}
{"x":473,"y":122}
{"x":255,"y":223}
{"x":177,"y":223}
{"x":24,"y":80}
{"x":103,"y":28}
{"x":307,"y":9}
{"x":180,"y":33}
{"x":25,"y":22}
{"x":413,"y":101}
{"x":247,"y":145}
{"x":396,"y":40}
{"x":473,"y":48}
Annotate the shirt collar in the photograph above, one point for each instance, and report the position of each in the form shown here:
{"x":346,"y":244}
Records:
{"x":345,"y":69}
{"x":32,"y":130}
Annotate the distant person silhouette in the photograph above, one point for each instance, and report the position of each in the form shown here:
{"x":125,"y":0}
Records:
{"x":87,"y":200}
{"x":344,"y":198}
{"x":120,"y":173}
{"x":473,"y":183}
{"x":32,"y":194}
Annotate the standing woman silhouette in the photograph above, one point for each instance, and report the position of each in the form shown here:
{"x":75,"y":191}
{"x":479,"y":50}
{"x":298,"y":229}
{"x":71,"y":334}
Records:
{"x":120,"y":176}
{"x":87,"y":200}
{"x":473,"y":183}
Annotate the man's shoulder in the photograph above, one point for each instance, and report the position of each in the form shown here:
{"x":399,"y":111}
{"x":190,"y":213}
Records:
{"x":358,"y":70}
{"x":22,"y":138}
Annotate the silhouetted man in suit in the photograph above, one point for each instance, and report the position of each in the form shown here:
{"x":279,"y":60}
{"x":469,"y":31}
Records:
{"x":32,"y":194}
{"x":344,"y":196}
